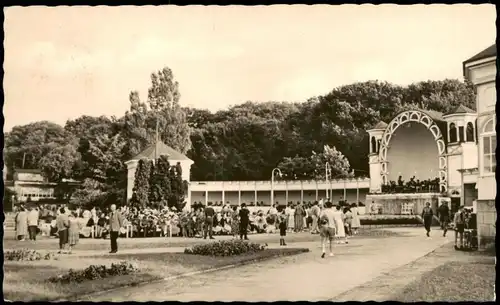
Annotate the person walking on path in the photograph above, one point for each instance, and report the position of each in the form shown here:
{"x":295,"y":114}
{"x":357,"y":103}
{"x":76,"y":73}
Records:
{"x":282,"y":226}
{"x":427,"y":215}
{"x":315,"y":211}
{"x":444,"y":217}
{"x":328,"y":225}
{"x":244,"y":221}
{"x":339,"y":221}
{"x":459,"y":221}
{"x":74,"y":228}
{"x":115,"y":224}
{"x":209,"y":221}
{"x":33,"y":215}
{"x":21,"y":221}
{"x":62,"y":224}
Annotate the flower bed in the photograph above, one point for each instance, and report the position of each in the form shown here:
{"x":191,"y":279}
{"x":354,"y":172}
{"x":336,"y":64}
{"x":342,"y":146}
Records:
{"x":94,"y":272}
{"x":26,"y":255}
{"x":390,"y":220}
{"x":225,"y":248}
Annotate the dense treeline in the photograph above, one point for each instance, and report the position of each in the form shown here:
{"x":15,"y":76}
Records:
{"x":244,"y":142}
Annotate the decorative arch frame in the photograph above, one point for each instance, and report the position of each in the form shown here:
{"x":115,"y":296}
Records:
{"x":424,"y":119}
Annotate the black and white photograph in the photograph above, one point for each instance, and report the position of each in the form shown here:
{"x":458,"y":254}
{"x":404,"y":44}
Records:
{"x":250,"y":153}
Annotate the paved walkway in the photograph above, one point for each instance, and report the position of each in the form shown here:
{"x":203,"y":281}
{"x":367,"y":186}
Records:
{"x":296,"y":278}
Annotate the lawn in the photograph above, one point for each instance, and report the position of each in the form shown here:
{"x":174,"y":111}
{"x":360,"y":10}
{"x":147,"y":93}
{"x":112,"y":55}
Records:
{"x":453,"y":282}
{"x":27,"y":281}
{"x":51,"y":244}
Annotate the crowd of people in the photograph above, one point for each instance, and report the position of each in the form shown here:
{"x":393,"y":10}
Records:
{"x":32,"y":220}
{"x":411,"y":186}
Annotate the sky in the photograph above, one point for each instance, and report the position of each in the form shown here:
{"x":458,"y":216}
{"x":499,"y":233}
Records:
{"x":64,"y":62}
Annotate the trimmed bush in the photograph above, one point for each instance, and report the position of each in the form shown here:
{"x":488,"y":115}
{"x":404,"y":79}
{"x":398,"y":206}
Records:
{"x":94,"y":272}
{"x":27,"y":255}
{"x":225,"y":248}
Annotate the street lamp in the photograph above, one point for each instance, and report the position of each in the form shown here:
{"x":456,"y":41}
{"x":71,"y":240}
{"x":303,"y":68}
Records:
{"x":328,"y":172}
{"x":272,"y":182}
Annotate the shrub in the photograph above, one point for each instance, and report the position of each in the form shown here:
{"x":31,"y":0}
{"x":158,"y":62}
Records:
{"x":27,"y":255}
{"x":94,"y":272}
{"x":225,"y":248}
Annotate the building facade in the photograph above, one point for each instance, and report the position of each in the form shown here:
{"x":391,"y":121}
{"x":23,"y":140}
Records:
{"x":481,"y":70}
{"x":30,"y":183}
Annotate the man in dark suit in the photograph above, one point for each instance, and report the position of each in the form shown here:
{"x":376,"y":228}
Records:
{"x":444,"y":217}
{"x":209,"y":221}
{"x":115,"y":224}
{"x":244,"y":221}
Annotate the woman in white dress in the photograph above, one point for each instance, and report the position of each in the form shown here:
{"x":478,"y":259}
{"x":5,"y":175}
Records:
{"x":290,"y":213}
{"x":356,"y":223}
{"x":339,"y":221}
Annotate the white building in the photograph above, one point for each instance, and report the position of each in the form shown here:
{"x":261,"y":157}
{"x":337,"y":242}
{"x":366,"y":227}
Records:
{"x":481,"y":70}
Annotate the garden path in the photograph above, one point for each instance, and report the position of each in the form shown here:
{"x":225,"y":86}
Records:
{"x":294,"y":278}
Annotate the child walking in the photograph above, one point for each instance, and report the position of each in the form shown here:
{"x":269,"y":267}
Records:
{"x":283,"y":227}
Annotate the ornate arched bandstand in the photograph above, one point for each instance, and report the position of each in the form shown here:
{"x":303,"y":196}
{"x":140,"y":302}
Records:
{"x":432,"y":122}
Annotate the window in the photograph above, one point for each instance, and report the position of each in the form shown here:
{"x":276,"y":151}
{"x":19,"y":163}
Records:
{"x":489,"y":143}
{"x":470,"y":132}
{"x":374,"y":145}
{"x":461,"y":134}
{"x":453,"y":133}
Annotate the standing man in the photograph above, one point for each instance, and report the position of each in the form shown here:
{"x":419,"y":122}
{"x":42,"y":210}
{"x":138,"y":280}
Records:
{"x":62,"y":224}
{"x":115,"y":223}
{"x":244,"y":221}
{"x":33,"y":222}
{"x":315,"y":211}
{"x":459,"y":221}
{"x":209,"y":221}
{"x":299,"y":217}
{"x":444,"y":216}
{"x":427,"y":215}
{"x":328,"y":227}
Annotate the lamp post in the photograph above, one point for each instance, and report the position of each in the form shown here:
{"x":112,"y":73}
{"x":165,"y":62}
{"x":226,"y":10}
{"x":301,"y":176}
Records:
{"x":272,"y":182}
{"x":328,"y":172}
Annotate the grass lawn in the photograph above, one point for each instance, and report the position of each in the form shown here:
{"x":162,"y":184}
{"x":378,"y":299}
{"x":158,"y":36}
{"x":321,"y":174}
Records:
{"x":51,"y":244}
{"x":453,"y":282}
{"x":27,"y":281}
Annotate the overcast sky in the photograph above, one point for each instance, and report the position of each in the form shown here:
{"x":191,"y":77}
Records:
{"x":63,"y":62}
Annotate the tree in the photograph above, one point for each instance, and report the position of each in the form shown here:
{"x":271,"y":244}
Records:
{"x":159,"y":185}
{"x":26,"y":145}
{"x":178,"y":189}
{"x":141,"y":183}
{"x":58,"y":164}
{"x":297,"y":168}
{"x":140,"y":122}
{"x":338,"y":163}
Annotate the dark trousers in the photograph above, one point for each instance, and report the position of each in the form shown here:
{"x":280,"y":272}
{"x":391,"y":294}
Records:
{"x":114,"y":243}
{"x":63,"y":238}
{"x":209,"y":222}
{"x":243,"y":229}
{"x":32,"y":232}
{"x":427,"y":223}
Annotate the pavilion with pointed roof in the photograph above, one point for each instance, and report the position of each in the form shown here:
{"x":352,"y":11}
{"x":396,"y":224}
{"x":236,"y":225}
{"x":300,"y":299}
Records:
{"x":153,"y":152}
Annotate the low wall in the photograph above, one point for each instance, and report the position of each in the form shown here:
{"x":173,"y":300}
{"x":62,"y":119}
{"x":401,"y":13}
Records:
{"x":399,"y":204}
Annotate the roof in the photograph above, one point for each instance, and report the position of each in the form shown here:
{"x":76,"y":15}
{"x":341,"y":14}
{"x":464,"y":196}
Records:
{"x":488,"y":52}
{"x":163,"y":150}
{"x":462,"y":109}
{"x":380,"y":125}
